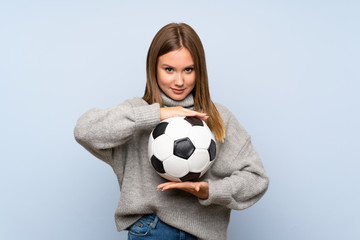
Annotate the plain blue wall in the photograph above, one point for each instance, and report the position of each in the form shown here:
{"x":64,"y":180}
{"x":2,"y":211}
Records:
{"x":289,"y":70}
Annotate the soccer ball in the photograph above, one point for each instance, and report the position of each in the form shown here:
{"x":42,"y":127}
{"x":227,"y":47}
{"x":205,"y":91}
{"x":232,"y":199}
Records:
{"x":181,"y":148}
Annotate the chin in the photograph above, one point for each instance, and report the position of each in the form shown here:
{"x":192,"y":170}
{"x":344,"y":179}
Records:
{"x":176,"y":97}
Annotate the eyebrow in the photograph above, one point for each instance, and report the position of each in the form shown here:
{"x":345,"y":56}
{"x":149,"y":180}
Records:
{"x":167,"y":65}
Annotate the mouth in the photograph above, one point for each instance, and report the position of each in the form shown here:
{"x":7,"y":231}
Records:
{"x":177,"y":91}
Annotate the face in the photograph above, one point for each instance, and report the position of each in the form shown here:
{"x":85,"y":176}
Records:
{"x":175,"y":73}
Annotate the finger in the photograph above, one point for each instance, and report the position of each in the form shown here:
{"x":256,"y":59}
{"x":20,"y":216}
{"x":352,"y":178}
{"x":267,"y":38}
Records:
{"x":192,"y":113}
{"x":203,"y":117}
{"x":161,"y":186}
{"x":181,"y":111}
{"x":182,"y":185}
{"x":172,"y":186}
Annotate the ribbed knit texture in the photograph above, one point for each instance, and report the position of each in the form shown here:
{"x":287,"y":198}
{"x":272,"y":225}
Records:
{"x":187,"y":102}
{"x":119,"y":136}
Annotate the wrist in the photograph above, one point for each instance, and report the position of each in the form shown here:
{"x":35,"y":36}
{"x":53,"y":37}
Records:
{"x":204,"y":191}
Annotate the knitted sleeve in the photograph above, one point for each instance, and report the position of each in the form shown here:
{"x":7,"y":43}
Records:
{"x":100,"y":130}
{"x":237,"y":179}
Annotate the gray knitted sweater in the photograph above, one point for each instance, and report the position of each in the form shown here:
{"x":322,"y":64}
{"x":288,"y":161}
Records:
{"x":119,"y":136}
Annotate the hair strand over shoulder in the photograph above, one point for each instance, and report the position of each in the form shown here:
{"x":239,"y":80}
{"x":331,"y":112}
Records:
{"x":171,"y":37}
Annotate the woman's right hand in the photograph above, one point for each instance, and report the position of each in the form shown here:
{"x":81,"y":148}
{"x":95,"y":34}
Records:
{"x":168,"y":112}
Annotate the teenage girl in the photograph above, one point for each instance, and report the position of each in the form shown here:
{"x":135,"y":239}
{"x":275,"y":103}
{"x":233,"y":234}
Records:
{"x":150,"y":207}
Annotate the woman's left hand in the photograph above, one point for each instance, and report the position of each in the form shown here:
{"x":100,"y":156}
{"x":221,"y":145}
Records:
{"x":199,"y":189}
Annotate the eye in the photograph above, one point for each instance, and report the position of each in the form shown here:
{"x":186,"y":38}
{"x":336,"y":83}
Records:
{"x":169,"y":69}
{"x":189,"y":70}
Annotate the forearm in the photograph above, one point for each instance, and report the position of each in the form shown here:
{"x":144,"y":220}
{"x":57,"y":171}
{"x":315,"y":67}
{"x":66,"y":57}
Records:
{"x":244,"y":186}
{"x":100,"y":129}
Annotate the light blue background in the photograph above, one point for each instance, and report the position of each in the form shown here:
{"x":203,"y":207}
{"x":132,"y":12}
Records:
{"x":289,"y":71}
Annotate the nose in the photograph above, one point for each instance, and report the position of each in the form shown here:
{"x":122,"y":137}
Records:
{"x":179,"y":81}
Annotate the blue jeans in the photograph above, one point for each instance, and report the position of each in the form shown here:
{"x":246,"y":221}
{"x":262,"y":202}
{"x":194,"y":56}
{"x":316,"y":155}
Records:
{"x":151,"y":227}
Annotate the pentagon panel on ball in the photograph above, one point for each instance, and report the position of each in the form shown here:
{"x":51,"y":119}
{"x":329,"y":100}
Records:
{"x":181,"y":148}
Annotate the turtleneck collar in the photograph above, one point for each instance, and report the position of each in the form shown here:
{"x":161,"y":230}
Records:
{"x":187,"y":102}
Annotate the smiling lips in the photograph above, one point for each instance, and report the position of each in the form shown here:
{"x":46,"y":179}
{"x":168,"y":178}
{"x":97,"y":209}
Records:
{"x":177,"y":91}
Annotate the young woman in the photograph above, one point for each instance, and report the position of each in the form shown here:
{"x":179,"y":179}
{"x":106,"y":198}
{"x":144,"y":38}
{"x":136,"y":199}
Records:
{"x":177,"y":85}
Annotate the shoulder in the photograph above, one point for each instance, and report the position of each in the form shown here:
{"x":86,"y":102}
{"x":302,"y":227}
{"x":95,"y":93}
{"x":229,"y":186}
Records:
{"x":231,"y":123}
{"x":222,"y":109}
{"x":224,"y":112}
{"x":136,"y":102}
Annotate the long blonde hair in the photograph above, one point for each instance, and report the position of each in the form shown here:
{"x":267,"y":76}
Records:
{"x":171,"y":37}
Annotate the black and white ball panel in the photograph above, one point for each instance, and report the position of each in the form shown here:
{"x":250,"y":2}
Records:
{"x":170,"y":178}
{"x":198,"y":160}
{"x":181,"y":148}
{"x":190,"y":177}
{"x":157,"y":164}
{"x":163,"y":147}
{"x":159,"y":129}
{"x":194,"y":121}
{"x":212,"y":150}
{"x":178,"y":128}
{"x":176,"y":167}
{"x":200,"y":137}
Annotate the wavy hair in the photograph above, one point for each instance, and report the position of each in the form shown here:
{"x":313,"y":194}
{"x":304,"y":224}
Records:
{"x":171,"y":37}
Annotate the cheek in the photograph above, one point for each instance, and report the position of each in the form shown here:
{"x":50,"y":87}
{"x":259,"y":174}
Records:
{"x":161,"y":78}
{"x":191,"y":80}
